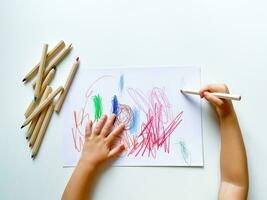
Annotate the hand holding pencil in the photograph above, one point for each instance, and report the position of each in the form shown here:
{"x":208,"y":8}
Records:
{"x":218,"y":95}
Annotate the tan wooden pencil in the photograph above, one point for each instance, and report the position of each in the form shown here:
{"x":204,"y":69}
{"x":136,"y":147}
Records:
{"x":60,"y":45}
{"x":37,"y":127}
{"x":40,"y":73}
{"x":31,"y":128}
{"x":47,"y":79}
{"x":42,"y":106}
{"x":45,"y":83}
{"x":57,"y":60}
{"x":39,"y":123}
{"x":41,"y":134}
{"x":71,"y":75}
{"x":217,"y":94}
{"x":47,"y":91}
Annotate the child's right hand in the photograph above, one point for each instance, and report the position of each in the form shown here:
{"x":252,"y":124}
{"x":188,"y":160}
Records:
{"x":99,"y":142}
{"x":223,"y":107}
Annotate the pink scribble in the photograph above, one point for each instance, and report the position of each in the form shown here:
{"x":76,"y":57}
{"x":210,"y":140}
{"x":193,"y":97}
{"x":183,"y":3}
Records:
{"x":156,"y":131}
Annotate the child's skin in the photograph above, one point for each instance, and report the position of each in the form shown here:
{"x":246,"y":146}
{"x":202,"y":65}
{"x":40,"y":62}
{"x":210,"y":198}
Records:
{"x":99,"y":148}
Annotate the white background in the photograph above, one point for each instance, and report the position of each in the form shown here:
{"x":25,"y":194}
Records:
{"x":228,"y":39}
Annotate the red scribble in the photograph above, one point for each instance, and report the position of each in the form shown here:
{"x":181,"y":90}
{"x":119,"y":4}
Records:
{"x":82,"y":116}
{"x":156,"y":131}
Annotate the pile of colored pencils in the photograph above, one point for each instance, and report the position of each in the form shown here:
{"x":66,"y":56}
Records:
{"x":44,"y":103}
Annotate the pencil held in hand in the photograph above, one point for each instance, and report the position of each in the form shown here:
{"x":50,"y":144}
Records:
{"x":217,"y":94}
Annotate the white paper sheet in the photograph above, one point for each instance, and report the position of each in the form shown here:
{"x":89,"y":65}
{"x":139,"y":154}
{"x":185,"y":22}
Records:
{"x":163,"y":125}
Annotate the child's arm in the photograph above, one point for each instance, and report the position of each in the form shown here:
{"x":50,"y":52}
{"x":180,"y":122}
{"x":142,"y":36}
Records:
{"x":97,"y":149}
{"x":234,"y":171}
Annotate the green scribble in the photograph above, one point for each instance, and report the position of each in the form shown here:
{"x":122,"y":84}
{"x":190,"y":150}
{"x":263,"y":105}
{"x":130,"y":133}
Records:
{"x":98,"y":107}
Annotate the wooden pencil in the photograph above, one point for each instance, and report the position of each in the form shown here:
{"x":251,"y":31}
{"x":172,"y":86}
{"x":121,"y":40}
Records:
{"x":31,"y":128}
{"x":71,"y":75}
{"x":57,"y":60}
{"x":37,"y":127}
{"x":30,"y":108}
{"x":217,"y":94}
{"x":45,"y":83}
{"x":50,"y":55}
{"x":42,"y":106}
{"x":48,"y":90}
{"x":47,"y":79}
{"x":38,"y":124}
{"x":41,"y":134}
{"x":40,"y":73}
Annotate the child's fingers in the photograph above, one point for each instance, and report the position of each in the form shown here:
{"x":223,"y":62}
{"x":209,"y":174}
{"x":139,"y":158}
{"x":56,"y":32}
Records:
{"x":114,"y":134}
{"x":100,"y":125}
{"x":88,"y":129}
{"x":213,"y":88}
{"x":212,"y":99}
{"x":108,"y":126}
{"x":116,"y":151}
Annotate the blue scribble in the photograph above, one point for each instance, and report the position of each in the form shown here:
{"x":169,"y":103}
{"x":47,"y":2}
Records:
{"x":121,"y":83}
{"x":135,"y":121}
{"x":185,"y":152}
{"x":115,"y":105}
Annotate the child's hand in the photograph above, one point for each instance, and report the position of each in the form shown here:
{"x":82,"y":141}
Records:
{"x":99,"y":143}
{"x":223,"y":107}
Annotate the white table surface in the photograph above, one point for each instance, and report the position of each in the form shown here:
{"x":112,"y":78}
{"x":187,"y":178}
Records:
{"x":228,"y":39}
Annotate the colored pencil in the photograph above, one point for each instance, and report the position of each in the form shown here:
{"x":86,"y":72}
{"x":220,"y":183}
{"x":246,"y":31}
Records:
{"x":42,"y":106}
{"x":40,"y":72}
{"x":217,"y":94}
{"x":71,"y":75}
{"x":47,"y":91}
{"x":57,"y":60}
{"x":50,"y":55}
{"x":42,"y":131}
{"x":45,"y":83}
{"x":38,"y":124}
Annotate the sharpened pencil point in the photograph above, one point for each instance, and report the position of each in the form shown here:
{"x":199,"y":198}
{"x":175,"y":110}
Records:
{"x":24,"y":80}
{"x":22,"y":126}
{"x":30,"y":145}
{"x":27,"y":138}
{"x":77,"y":59}
{"x":35,"y":98}
{"x":32,"y":156}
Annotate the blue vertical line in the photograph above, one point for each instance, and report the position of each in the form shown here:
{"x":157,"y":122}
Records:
{"x":135,"y":120}
{"x":121,"y":83}
{"x":115,"y":104}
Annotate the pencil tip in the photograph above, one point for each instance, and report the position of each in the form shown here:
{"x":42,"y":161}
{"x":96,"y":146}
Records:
{"x":181,"y":91}
{"x":30,"y":145}
{"x":77,"y":59}
{"x":35,"y":98}
{"x":27,"y":138}
{"x":32,"y":156}
{"x":22,"y":126}
{"x":24,"y":80}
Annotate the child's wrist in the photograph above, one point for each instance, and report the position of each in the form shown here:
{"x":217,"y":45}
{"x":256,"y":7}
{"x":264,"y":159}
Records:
{"x":86,"y":165}
{"x":229,"y":116}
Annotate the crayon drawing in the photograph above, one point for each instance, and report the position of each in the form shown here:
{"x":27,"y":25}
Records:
{"x":163,"y":127}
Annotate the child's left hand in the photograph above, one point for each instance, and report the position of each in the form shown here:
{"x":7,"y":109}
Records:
{"x":99,"y":143}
